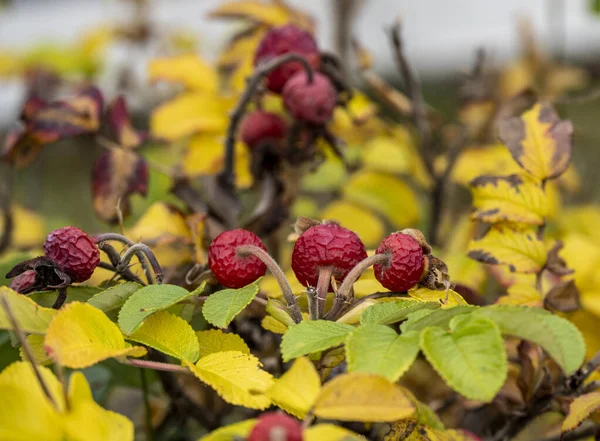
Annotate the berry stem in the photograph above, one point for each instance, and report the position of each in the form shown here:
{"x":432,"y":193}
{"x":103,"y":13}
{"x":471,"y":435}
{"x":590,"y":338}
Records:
{"x":136,"y":250}
{"x":114,"y":258}
{"x":311,"y":295}
{"x":322,"y":289}
{"x":227,"y":176}
{"x":286,"y":289}
{"x":344,"y":293}
{"x":27,"y":350}
{"x":124,"y":240}
{"x":60,"y":299}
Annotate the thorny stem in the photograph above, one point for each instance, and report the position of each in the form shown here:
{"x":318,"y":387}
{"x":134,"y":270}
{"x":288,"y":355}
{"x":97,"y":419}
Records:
{"x":322,"y":289}
{"x":27,"y":350}
{"x":344,"y":294}
{"x":60,"y":299}
{"x":135,"y":250}
{"x":227,"y":175}
{"x":290,"y":298}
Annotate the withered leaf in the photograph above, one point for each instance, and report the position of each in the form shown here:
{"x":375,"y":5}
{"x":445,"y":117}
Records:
{"x":48,"y":274}
{"x":556,"y":264}
{"x":539,"y":141}
{"x":119,"y":125}
{"x":564,"y":297}
{"x":118,"y":173}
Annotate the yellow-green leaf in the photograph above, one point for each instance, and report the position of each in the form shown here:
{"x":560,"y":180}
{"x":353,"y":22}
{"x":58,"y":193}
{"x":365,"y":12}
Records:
{"x":539,"y":141}
{"x":81,"y":335}
{"x":231,"y":432}
{"x":384,"y":194}
{"x":511,"y":198}
{"x":362,"y":397}
{"x":386,"y":154}
{"x":430,"y":295}
{"x":170,"y":334}
{"x":354,"y":217}
{"x":188,"y":69}
{"x":330,"y":432}
{"x":236,"y":377}
{"x":187,"y":114}
{"x":297,"y":389}
{"x":581,"y":408}
{"x":32,"y":318}
{"x":521,"y":251}
{"x":272,"y":14}
{"x":521,"y":294}
{"x":215,"y":340}
{"x":479,"y":161}
{"x":36,"y":344}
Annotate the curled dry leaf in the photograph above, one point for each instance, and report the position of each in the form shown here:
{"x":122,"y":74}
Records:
{"x":564,"y":297}
{"x":117,"y":174}
{"x":119,"y":125}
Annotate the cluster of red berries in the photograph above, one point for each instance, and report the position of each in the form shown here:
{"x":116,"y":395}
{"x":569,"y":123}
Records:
{"x":403,"y":257}
{"x":308,"y":100}
{"x":70,"y":256}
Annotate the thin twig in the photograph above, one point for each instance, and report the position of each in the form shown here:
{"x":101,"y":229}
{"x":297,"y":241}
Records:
{"x":584,"y":431}
{"x":227,"y":176}
{"x":27,"y":350}
{"x":155,"y":365}
{"x":60,"y":299}
{"x":135,"y":250}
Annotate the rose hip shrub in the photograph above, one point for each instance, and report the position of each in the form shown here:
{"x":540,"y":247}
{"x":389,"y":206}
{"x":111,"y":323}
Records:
{"x":279,"y":255}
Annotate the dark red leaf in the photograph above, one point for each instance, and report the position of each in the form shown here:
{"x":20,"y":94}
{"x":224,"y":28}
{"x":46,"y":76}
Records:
{"x":119,"y":125}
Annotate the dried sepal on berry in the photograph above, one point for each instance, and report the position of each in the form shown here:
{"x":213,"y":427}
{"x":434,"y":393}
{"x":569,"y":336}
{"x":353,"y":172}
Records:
{"x":49,"y":275}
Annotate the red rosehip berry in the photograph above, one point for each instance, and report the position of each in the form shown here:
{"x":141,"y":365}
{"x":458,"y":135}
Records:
{"x":23,"y":281}
{"x":284,"y":40}
{"x":260,"y":126}
{"x":406,"y":264}
{"x":276,"y":426}
{"x":74,"y":251}
{"x":326,"y":245}
{"x":310,"y":102}
{"x":231,"y":269}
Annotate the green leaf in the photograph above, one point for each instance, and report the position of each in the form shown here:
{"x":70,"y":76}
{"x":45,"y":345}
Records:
{"x":312,"y":336}
{"x":74,"y":294}
{"x":387,"y":313}
{"x":221,"y":307}
{"x":169,"y":334}
{"x":146,"y":301}
{"x":470,"y":357}
{"x":559,"y":337}
{"x":378,"y":349}
{"x":441,"y":317}
{"x":113,"y":298}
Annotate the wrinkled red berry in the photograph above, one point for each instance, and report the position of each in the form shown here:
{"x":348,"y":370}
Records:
{"x":230,"y":269}
{"x":276,"y":426}
{"x":310,"y":102}
{"x":405,"y":268}
{"x":23,"y":281}
{"x":260,"y":126}
{"x":326,"y":245}
{"x":74,"y":251}
{"x":283,"y":40}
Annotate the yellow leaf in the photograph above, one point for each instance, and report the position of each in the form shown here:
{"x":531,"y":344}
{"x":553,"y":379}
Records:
{"x":297,"y":389}
{"x":87,"y":421}
{"x":492,"y":160}
{"x":81,"y":335}
{"x":187,"y":69}
{"x":581,"y":408}
{"x":270,"y":323}
{"x":362,"y":397}
{"x":170,"y":334}
{"x":204,"y":156}
{"x":215,"y":340}
{"x":236,"y":377}
{"x":36,"y":344}
{"x":330,"y":432}
{"x":29,"y":228}
{"x":582,"y":220}
{"x":511,"y":198}
{"x":588,"y":325}
{"x":363,"y":222}
{"x":384,"y":194}
{"x":385,"y":154}
{"x":522,"y":294}
{"x":32,"y":318}
{"x":539,"y":141}
{"x":352,"y":317}
{"x":272,"y":14}
{"x":330,"y":175}
{"x":429,"y":295}
{"x":231,"y":432}
{"x":190,"y":113}
{"x":521,"y":251}
{"x":465,"y":271}
{"x":30,"y":415}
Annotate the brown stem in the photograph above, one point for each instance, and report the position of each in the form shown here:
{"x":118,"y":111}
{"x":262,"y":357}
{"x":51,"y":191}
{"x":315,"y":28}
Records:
{"x":156,"y":365}
{"x":27,"y":350}
{"x":311,"y":294}
{"x":344,"y":293}
{"x":286,"y":289}
{"x":227,"y":176}
{"x":322,"y":289}
{"x":60,"y":299}
{"x":126,"y":241}
{"x":136,"y":250}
